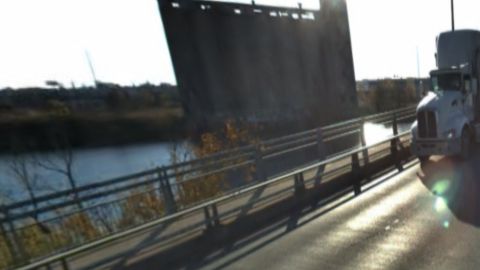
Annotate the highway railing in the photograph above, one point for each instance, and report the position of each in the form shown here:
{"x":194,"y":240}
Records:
{"x":66,"y":223}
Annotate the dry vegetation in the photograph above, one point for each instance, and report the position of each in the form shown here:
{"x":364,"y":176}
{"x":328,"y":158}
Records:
{"x":72,"y":230}
{"x":142,"y":205}
{"x":137,"y":207}
{"x":5,"y":255}
{"x":233,"y":135}
{"x":386,"y":95}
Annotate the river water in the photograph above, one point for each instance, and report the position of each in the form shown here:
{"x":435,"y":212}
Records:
{"x":89,"y":165}
{"x":93,"y":165}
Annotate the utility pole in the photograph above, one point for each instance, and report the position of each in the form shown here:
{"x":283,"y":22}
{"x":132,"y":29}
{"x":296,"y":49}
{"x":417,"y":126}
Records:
{"x":453,"y":15}
{"x":92,"y":70}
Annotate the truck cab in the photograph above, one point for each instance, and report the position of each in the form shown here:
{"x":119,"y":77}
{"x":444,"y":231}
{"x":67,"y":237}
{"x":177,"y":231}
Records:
{"x":447,"y":115}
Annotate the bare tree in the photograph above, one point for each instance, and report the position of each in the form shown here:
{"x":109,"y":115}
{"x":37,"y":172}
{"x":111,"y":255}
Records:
{"x":179,"y":153}
{"x":6,"y":196}
{"x":102,"y":216}
{"x":61,"y":161}
{"x":22,"y":167}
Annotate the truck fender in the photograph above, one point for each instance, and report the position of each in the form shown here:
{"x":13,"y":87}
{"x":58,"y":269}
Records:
{"x":461,"y":124}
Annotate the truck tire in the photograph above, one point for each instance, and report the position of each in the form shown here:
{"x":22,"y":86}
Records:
{"x":466,"y":140}
{"x":423,"y":161}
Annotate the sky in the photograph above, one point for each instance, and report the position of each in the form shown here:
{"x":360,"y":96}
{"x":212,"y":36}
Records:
{"x":49,"y":39}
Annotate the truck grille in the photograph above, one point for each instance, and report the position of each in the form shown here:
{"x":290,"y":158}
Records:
{"x":427,"y":124}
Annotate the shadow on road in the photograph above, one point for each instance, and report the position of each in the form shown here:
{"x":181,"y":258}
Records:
{"x":248,"y":235}
{"x":458,"y":183}
{"x":213,"y":249}
{"x":119,"y":260}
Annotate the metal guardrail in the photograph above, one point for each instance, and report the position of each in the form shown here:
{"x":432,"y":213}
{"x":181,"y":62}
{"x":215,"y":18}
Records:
{"x":63,"y":256}
{"x":186,"y":173}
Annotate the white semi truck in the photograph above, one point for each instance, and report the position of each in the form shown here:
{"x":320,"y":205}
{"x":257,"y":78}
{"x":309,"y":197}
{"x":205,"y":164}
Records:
{"x":448,"y":117}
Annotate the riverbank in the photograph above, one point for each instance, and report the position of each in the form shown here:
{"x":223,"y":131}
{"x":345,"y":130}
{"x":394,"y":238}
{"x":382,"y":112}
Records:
{"x":41,"y":131}
{"x":45,"y":130}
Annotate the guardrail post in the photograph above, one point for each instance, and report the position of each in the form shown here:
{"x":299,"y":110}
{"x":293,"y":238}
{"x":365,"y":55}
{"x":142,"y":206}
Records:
{"x":166,"y":188}
{"x":362,"y":140}
{"x":259,"y":166}
{"x":8,"y":242}
{"x":321,"y":154}
{"x":299,"y":184}
{"x":216,"y":218}
{"x":65,"y":264}
{"x":320,"y":144}
{"x":19,"y":253}
{"x":208,"y":222}
{"x":213,"y":219}
{"x":394,"y":145}
{"x":395,"y":124}
{"x":356,"y":174}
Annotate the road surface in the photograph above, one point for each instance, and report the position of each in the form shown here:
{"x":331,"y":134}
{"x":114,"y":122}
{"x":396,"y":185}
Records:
{"x":416,"y":219}
{"x":406,"y":222}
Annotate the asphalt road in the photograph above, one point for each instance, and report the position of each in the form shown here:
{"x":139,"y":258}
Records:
{"x":413,"y":220}
{"x":416,"y":219}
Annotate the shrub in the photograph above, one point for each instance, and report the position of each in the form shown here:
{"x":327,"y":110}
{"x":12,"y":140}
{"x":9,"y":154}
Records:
{"x":231,"y":136}
{"x":142,"y":205}
{"x":5,"y":254}
{"x":82,"y":227}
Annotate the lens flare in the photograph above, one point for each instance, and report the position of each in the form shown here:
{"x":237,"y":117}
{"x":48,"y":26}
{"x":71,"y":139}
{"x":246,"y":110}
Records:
{"x":441,"y":187}
{"x":446,"y":224}
{"x":440,"y":204}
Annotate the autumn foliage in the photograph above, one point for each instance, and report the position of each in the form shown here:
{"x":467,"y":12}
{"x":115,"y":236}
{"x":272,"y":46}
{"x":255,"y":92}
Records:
{"x":136,"y":207}
{"x":232,"y":135}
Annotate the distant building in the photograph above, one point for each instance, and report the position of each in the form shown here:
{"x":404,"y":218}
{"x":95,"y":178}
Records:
{"x":421,"y":84}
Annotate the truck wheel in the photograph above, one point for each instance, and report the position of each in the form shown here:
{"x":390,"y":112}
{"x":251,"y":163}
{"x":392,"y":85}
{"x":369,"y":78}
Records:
{"x":423,"y":161}
{"x":466,"y":140}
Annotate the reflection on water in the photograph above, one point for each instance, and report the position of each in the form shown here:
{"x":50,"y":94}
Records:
{"x":376,"y":132}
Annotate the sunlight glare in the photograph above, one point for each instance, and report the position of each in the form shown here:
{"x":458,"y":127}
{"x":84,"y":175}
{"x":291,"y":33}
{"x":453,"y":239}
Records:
{"x":440,"y":204}
{"x":375,"y":133}
{"x":446,"y":224}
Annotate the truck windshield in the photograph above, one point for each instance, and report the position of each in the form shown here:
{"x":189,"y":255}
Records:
{"x":446,"y":82}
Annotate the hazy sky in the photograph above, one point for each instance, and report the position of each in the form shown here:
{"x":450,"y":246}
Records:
{"x":47,"y":39}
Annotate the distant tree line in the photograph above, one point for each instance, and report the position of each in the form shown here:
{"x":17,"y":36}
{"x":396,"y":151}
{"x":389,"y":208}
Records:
{"x":387,"y":94}
{"x":107,"y":114}
{"x":103,"y":96}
